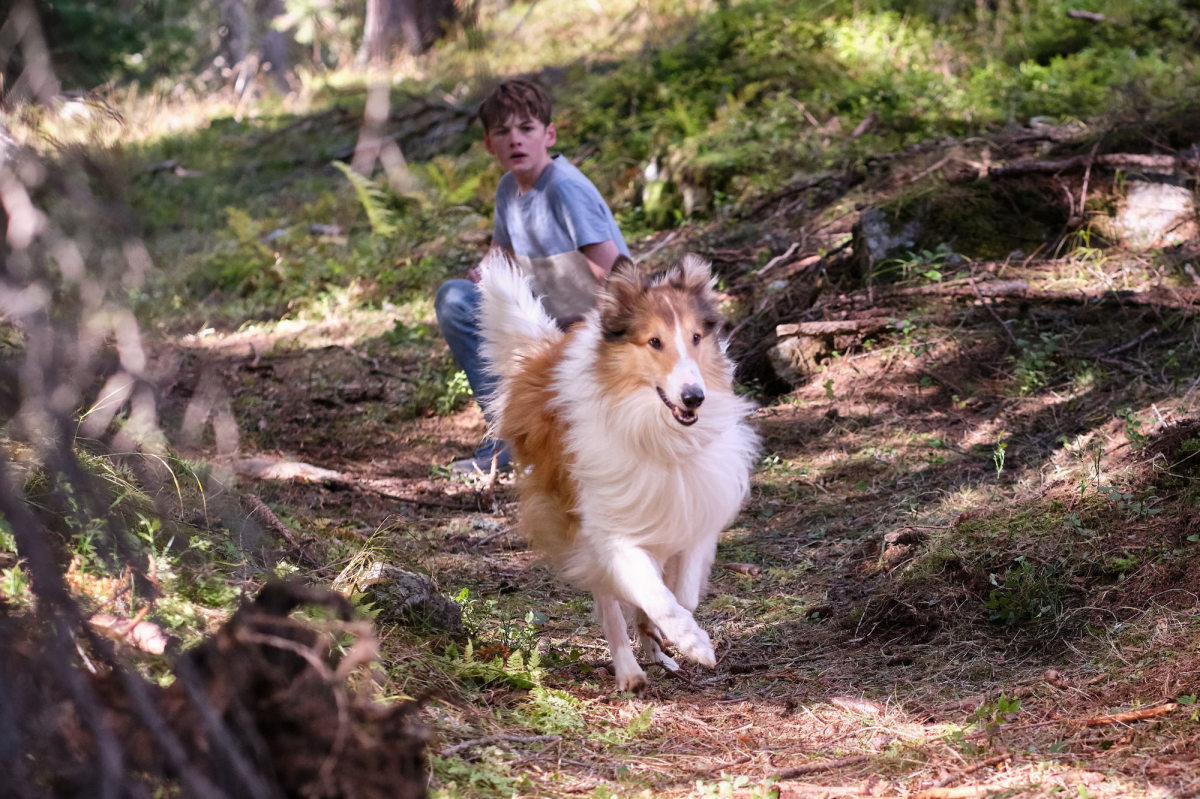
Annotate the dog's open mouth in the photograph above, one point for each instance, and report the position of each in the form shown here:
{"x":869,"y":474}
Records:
{"x":682,"y":415}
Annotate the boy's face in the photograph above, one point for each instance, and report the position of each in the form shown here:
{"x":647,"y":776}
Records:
{"x":522,"y":145}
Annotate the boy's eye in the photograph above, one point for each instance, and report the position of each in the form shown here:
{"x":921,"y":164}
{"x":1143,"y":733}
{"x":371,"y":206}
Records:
{"x":655,"y":343}
{"x":696,"y":339}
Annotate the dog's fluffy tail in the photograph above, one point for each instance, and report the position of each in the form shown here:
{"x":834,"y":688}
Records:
{"x":511,"y":318}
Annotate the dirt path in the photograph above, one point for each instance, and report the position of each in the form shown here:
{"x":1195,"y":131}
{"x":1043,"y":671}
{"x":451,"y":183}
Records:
{"x":853,"y":659}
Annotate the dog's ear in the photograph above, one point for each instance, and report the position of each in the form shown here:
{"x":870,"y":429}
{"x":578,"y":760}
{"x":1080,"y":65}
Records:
{"x":618,"y":298}
{"x":693,"y":273}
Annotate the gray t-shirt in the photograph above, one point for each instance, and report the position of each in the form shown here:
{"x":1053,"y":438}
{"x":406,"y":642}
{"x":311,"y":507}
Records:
{"x":547,"y":225}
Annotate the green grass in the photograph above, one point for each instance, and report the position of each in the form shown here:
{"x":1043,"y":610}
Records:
{"x":724,"y":108}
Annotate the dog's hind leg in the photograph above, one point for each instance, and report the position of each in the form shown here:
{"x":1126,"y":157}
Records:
{"x":637,"y":580}
{"x":630,"y":676}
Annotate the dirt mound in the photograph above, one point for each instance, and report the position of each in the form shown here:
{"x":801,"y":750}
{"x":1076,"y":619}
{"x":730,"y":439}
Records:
{"x":260,"y":709}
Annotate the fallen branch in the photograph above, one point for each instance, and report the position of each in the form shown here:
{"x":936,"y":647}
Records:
{"x":1188,"y":299}
{"x":994,"y":315}
{"x":267,"y":516}
{"x":521,"y":739}
{"x":1131,"y":344}
{"x":778,"y":259}
{"x":942,"y":783}
{"x":1090,"y":16}
{"x":956,"y":793}
{"x":1123,"y":718}
{"x":926,"y":172}
{"x":832,"y":328}
{"x":1164,"y":164}
{"x":670,"y":238}
{"x":817,"y":768}
{"x":428,"y":502}
{"x":866,"y":126}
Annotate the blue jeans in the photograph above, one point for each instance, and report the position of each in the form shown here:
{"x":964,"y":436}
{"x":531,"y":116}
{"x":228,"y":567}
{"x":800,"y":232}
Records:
{"x":457,"y":308}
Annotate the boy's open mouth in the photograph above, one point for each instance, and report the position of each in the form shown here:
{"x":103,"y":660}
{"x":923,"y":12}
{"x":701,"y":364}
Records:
{"x":685,"y":417}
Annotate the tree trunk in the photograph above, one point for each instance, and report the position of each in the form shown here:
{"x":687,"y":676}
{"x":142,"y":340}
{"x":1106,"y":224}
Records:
{"x":275,"y":43}
{"x":408,"y":14}
{"x":237,"y":33}
{"x":415,"y":24}
{"x":375,"y":44}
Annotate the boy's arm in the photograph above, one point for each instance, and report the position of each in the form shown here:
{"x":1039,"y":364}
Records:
{"x":500,"y":234}
{"x":601,"y":256}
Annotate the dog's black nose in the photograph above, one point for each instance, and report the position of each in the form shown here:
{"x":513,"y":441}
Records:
{"x":692,"y":395}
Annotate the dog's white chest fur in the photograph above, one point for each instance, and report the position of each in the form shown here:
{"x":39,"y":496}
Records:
{"x":643,"y":480}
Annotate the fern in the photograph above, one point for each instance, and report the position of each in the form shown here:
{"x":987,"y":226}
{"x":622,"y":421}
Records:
{"x":374,"y":202}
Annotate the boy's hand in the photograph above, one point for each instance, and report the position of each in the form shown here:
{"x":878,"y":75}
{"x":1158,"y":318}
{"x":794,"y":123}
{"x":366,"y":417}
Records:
{"x":474,"y":275}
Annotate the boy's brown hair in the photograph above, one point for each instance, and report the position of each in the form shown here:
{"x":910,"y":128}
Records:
{"x":520,"y":98}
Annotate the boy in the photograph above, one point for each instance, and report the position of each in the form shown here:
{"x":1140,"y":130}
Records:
{"x":550,"y":217}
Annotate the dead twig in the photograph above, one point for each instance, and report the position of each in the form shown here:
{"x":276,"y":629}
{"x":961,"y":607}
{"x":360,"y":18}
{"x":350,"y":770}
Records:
{"x":991,"y":761}
{"x":926,"y":172}
{"x":964,"y":792}
{"x":1089,"y":16}
{"x":865,"y":127}
{"x":996,"y":316}
{"x":1124,"y":718}
{"x":267,"y":516}
{"x":1087,"y":174}
{"x":491,"y":739}
{"x":1166,"y":164}
{"x":1131,"y":344}
{"x":489,"y":539}
{"x":670,"y":238}
{"x":817,"y":768}
{"x":777,"y":260}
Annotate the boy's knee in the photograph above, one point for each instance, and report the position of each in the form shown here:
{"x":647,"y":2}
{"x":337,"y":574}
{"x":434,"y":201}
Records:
{"x":455,"y":300}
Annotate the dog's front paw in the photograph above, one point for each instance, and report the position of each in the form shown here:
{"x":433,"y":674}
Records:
{"x":632,"y":681}
{"x":694,"y":644}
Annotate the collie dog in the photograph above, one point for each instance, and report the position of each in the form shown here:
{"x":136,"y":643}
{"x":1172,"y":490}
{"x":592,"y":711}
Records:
{"x":633,"y":450}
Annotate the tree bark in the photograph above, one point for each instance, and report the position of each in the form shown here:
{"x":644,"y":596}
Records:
{"x":414,"y":24}
{"x":238,"y":33}
{"x":275,"y":43}
{"x":375,"y":43}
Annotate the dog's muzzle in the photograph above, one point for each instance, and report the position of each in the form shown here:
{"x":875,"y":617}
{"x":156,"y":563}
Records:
{"x":686,"y":416}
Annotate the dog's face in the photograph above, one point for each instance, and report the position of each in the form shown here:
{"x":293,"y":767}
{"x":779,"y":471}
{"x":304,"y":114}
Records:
{"x":659,"y":336}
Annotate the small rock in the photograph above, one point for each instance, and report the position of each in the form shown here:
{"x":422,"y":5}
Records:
{"x":404,"y":596}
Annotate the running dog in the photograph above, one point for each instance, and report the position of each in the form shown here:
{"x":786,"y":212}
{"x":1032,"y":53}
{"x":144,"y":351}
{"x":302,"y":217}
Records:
{"x":634,"y":451}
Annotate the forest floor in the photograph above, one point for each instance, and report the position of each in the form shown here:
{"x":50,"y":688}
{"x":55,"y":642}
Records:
{"x":970,"y":560}
{"x":944,"y":584}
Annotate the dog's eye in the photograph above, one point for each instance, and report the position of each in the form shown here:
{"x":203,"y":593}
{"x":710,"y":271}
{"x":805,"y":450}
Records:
{"x":696,"y":339}
{"x":655,"y":343}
